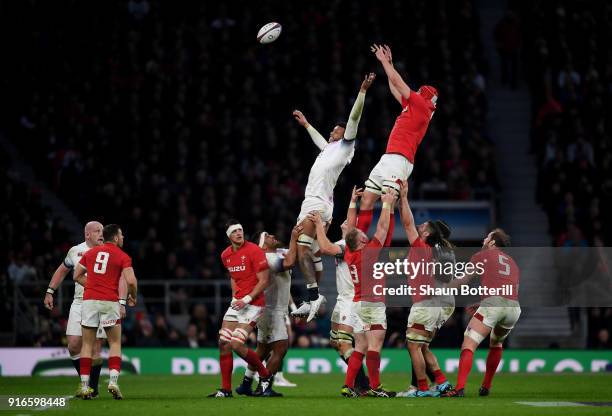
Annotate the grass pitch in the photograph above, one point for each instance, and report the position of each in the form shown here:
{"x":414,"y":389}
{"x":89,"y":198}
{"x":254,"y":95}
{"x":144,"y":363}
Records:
{"x":319,"y":395}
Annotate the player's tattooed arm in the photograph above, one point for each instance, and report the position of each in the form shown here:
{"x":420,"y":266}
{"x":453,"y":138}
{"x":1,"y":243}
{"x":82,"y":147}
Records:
{"x":326,"y":247}
{"x":406,"y":214}
{"x":316,"y":137}
{"x":291,"y":256}
{"x":383,"y":54}
{"x":56,"y":280}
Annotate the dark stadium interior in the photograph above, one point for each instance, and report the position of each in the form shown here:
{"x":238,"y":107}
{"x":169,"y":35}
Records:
{"x":169,"y":118}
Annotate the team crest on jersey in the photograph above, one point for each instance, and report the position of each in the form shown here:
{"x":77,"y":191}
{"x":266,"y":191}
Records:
{"x":243,"y":258}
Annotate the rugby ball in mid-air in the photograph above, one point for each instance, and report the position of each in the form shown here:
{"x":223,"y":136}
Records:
{"x":269,"y":32}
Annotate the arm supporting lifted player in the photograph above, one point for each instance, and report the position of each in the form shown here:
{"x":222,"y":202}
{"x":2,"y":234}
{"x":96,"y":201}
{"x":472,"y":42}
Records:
{"x":406,"y":214}
{"x":326,"y":247}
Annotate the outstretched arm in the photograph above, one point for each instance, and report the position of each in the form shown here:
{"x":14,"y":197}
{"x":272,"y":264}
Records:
{"x":382,"y":228}
{"x":406,"y":214}
{"x":316,"y":137}
{"x":396,"y":83}
{"x":289,"y":260}
{"x":351,"y":215}
{"x":353,"y":122}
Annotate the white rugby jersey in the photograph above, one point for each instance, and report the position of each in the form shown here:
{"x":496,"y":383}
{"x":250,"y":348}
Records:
{"x":327,"y":168}
{"x":344,"y":282}
{"x":72,"y":259}
{"x":277,"y":293}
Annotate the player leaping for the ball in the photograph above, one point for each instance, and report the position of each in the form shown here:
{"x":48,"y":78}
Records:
{"x":248,"y":269}
{"x":407,"y":133}
{"x":336,"y":153}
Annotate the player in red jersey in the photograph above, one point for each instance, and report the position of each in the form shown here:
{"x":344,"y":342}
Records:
{"x":248,"y":267}
{"x":370,"y":310}
{"x":407,"y":133}
{"x":99,"y":271}
{"x":427,"y":313}
{"x":496,"y":315}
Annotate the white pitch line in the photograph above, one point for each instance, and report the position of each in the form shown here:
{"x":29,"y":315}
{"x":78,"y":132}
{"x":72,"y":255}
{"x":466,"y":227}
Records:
{"x":552,"y":404}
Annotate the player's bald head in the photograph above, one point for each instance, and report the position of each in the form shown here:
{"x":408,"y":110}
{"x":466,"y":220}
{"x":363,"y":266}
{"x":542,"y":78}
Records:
{"x":93,"y":233}
{"x":91,"y":226}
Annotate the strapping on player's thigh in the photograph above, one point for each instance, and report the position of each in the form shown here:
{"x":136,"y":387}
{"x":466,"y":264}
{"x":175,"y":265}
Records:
{"x":414,"y":337}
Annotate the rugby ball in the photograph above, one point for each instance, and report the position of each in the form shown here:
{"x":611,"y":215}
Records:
{"x":269,"y":32}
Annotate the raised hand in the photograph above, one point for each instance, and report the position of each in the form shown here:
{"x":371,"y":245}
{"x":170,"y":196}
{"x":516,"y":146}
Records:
{"x":388,"y":197}
{"x":315,"y":217}
{"x":404,"y":190}
{"x":379,"y":52}
{"x":367,"y":81}
{"x":299,"y":117}
{"x":388,"y":53}
{"x":356,"y":194}
{"x":297,"y":230}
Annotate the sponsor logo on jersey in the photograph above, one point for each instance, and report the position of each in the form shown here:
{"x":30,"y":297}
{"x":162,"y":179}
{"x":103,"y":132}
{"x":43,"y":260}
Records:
{"x":236,"y":268}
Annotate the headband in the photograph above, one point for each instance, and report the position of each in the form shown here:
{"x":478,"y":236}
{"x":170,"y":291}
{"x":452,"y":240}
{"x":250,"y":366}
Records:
{"x":233,"y":228}
{"x":262,"y":238}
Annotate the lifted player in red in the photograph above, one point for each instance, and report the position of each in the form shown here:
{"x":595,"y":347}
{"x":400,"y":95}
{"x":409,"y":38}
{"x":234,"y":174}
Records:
{"x":407,"y":133}
{"x":248,"y":269}
{"x":496,"y":315}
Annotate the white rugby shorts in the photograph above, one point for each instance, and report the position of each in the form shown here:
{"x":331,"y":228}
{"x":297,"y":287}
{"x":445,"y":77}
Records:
{"x":344,"y":314}
{"x":504,"y":314}
{"x":73,"y":328}
{"x":247,"y":315}
{"x":100,"y":313}
{"x":391,"y":167}
{"x":272,"y":326}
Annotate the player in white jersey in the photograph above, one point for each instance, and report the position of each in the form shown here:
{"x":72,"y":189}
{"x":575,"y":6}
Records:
{"x":272,"y":335}
{"x":93,"y":237}
{"x":336,"y":153}
{"x":345,"y":324}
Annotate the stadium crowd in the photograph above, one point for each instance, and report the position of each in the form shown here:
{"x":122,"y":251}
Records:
{"x":168,"y":119}
{"x":570,"y":74}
